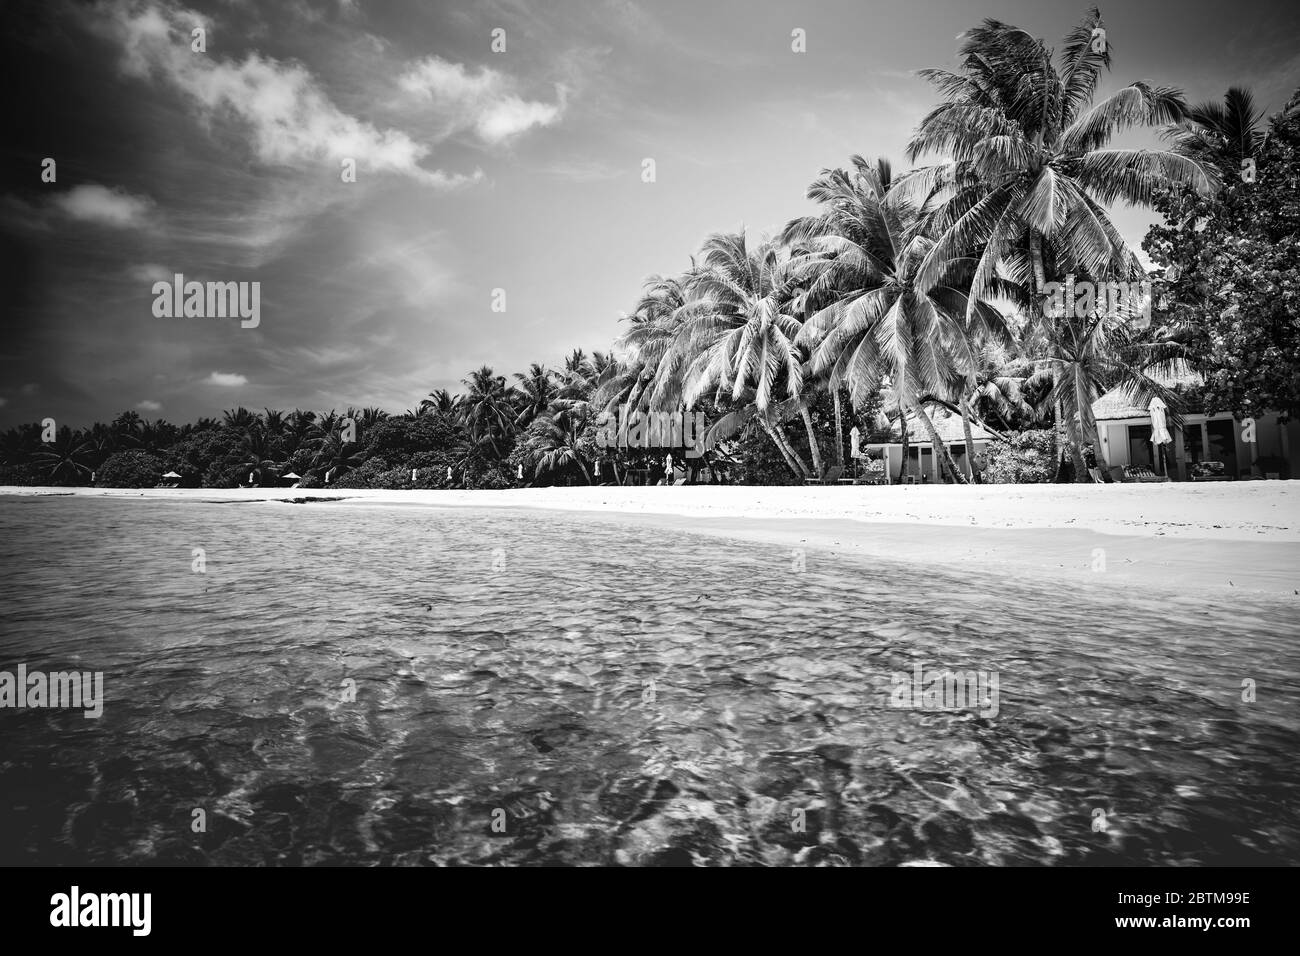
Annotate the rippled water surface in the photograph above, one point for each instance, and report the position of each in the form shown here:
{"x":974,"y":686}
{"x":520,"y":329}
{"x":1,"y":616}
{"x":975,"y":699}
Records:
{"x":537,"y":687}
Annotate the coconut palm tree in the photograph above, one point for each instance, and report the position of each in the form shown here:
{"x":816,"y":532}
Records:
{"x":561,"y":438}
{"x":67,"y":458}
{"x":490,"y":409}
{"x":736,"y":339}
{"x":873,"y":322}
{"x":1222,"y":133}
{"x":441,"y":402}
{"x":240,"y":419}
{"x":537,"y":389}
{"x":1030,"y":167}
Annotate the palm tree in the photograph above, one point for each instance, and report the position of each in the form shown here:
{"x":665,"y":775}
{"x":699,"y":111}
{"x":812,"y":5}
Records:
{"x":441,"y":402}
{"x":489,"y":409}
{"x":1222,"y":133}
{"x":259,"y":452}
{"x":874,"y":322}
{"x":1030,"y":168}
{"x":537,"y":389}
{"x":240,"y":419}
{"x":736,"y":339}
{"x":560,"y":438}
{"x":67,"y":457}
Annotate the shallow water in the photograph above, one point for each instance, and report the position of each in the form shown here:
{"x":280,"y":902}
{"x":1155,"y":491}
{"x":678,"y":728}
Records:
{"x":535,"y":687}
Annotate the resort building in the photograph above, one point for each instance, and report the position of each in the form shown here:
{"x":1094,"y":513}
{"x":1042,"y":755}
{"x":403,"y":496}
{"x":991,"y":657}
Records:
{"x":1124,"y":424}
{"x":921,"y":464}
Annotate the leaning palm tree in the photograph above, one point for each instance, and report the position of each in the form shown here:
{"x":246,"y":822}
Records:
{"x":736,"y":338}
{"x":876,"y":325}
{"x":1083,"y":356}
{"x":1030,"y":168}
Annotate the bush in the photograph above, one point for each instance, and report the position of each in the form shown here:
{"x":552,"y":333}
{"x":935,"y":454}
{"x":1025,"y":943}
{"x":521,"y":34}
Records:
{"x":130,"y":469}
{"x":1029,"y":458}
{"x":25,"y":474}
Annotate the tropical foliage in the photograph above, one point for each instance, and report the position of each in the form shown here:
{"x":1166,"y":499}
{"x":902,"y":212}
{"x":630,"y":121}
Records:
{"x":899,"y":296}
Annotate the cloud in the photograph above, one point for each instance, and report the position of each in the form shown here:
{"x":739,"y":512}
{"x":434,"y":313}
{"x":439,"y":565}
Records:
{"x":225,"y":379}
{"x":106,"y":207}
{"x":3,"y":402}
{"x":150,"y":272}
{"x":289,"y":118}
{"x":485,"y":102}
{"x":148,"y":405}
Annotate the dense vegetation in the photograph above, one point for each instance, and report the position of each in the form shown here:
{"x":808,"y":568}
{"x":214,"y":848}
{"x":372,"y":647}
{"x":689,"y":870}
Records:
{"x":902,"y":295}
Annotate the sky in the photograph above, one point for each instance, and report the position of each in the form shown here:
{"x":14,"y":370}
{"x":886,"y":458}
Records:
{"x":483,"y":177}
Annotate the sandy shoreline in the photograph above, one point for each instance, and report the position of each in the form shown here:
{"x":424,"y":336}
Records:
{"x":1238,"y":535}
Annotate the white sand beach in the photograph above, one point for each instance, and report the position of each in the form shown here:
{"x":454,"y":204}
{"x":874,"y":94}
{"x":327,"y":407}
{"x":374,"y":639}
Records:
{"x":1238,"y":535}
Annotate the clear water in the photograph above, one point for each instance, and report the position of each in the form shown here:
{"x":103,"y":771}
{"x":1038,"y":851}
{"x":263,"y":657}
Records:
{"x":548,"y":688}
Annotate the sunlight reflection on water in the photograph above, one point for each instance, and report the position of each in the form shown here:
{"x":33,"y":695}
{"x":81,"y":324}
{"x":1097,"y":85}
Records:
{"x":610,"y":693}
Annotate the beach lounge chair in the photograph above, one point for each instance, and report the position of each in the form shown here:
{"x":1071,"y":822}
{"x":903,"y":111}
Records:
{"x":1209,"y":471}
{"x":832,"y":475}
{"x":1141,"y":473}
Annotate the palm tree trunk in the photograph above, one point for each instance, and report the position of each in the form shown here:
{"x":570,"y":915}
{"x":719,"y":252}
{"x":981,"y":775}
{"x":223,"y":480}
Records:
{"x":839,"y":432}
{"x":907,"y":442}
{"x":1087,"y":429}
{"x":812,"y":442}
{"x":939,"y":449}
{"x":586,"y":476}
{"x":1036,"y":258}
{"x":970,"y":442}
{"x":782,"y":443}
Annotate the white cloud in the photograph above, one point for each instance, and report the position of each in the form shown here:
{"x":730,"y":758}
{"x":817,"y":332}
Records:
{"x":289,"y":117}
{"x":225,"y":379}
{"x":107,"y":207}
{"x":485,"y":102}
{"x":148,"y":405}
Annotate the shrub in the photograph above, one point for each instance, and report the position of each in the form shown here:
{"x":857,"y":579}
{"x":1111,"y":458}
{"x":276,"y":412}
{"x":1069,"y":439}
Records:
{"x":1029,"y":458}
{"x":130,"y":469}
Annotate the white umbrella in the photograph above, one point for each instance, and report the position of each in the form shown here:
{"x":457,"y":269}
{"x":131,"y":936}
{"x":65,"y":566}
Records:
{"x":855,"y":449}
{"x":171,"y":474}
{"x":293,"y":475}
{"x":1159,"y":429}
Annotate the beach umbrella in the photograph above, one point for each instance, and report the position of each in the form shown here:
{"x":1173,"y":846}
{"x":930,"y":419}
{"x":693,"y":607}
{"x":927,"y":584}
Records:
{"x":597,"y":467}
{"x":668,"y":464}
{"x":170,"y":474}
{"x":519,"y":473}
{"x":294,"y":475}
{"x":1159,"y":429}
{"x":855,"y":448}
{"x":449,"y":472}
